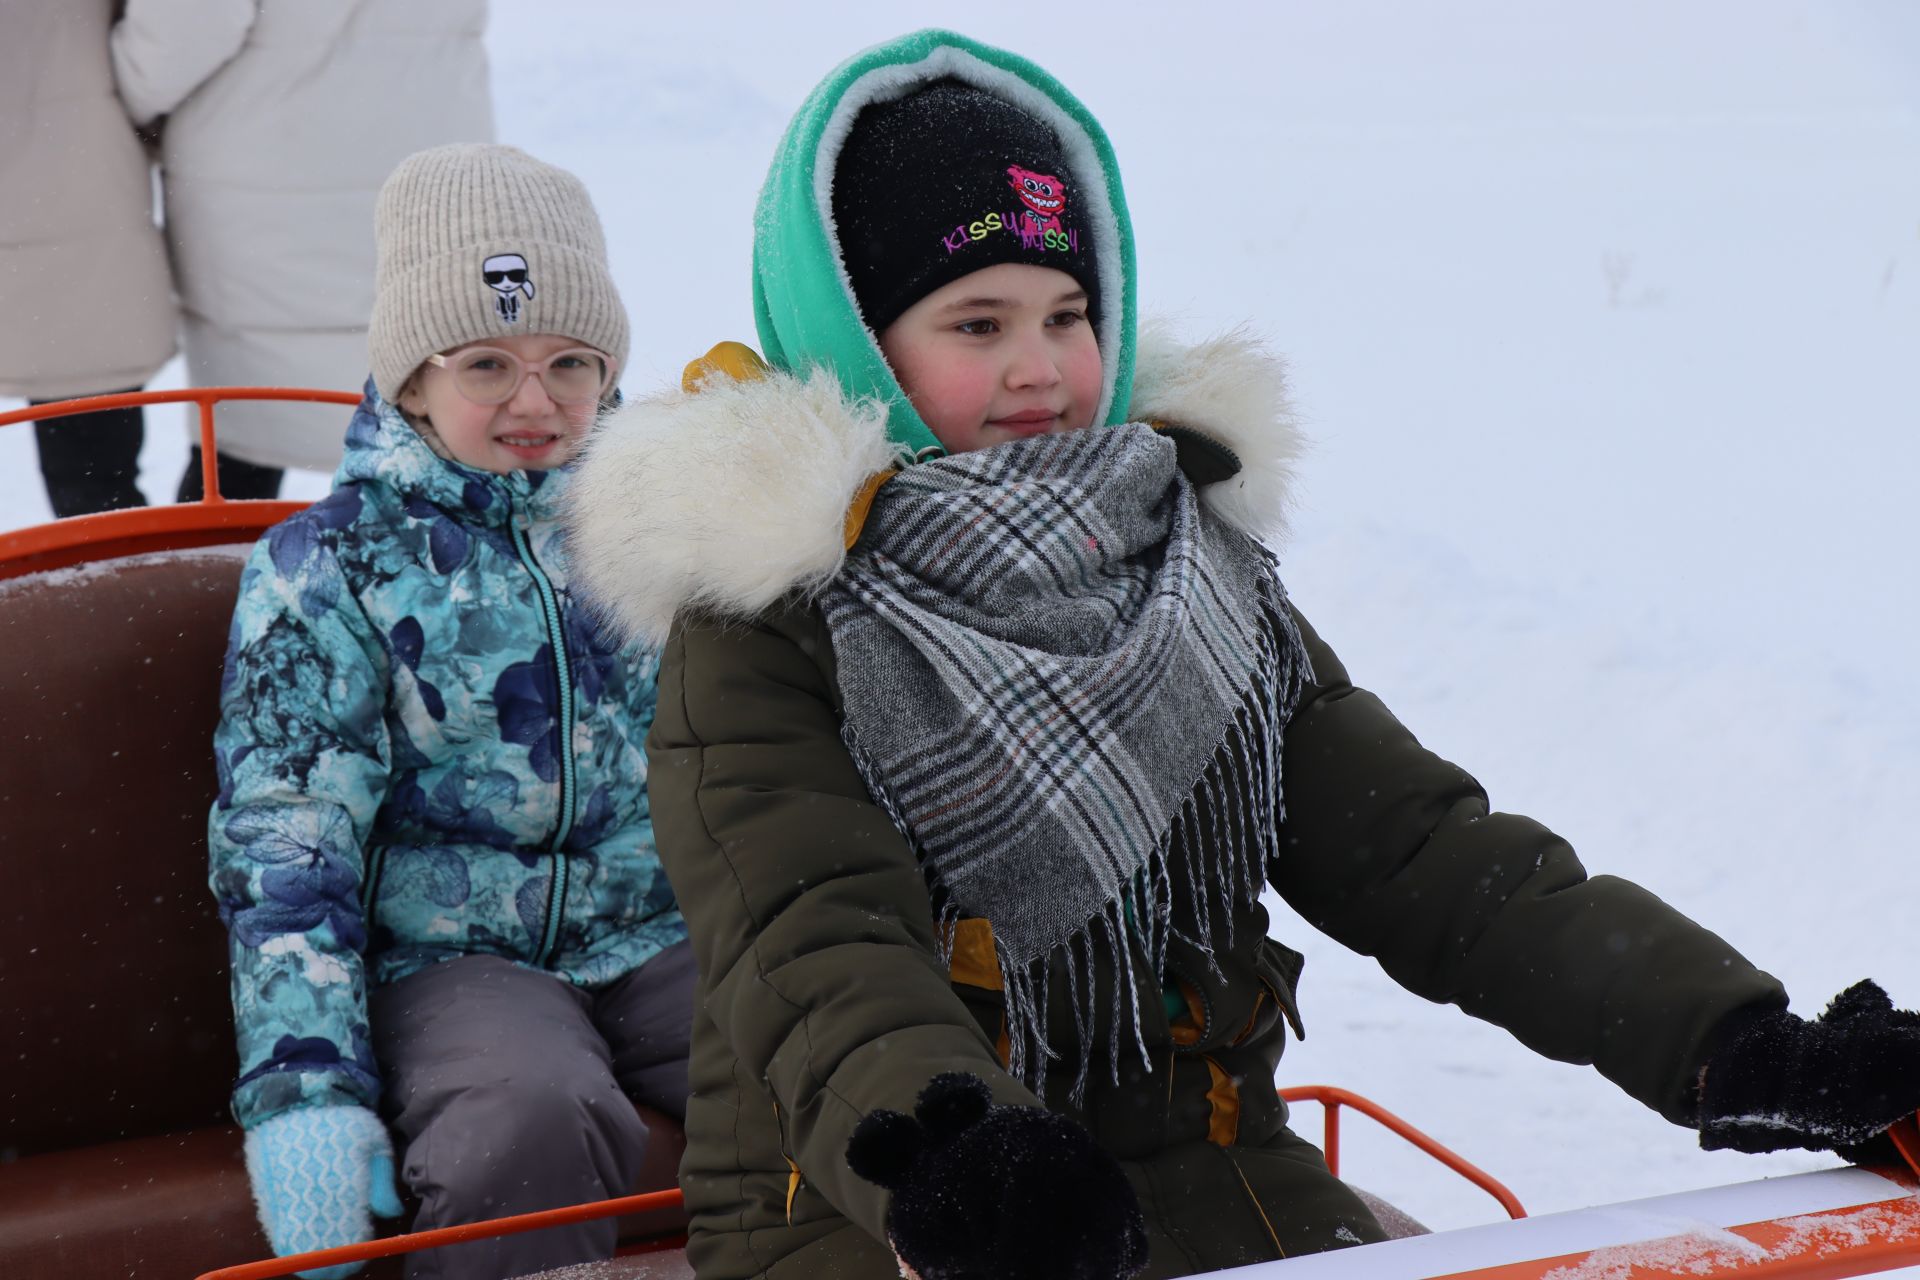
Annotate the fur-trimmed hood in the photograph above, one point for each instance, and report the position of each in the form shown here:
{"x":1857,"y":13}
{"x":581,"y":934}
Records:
{"x":728,"y":497}
{"x":804,"y":307}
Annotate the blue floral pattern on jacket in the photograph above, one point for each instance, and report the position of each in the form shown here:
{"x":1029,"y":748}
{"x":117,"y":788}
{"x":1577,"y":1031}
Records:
{"x":427,"y":749}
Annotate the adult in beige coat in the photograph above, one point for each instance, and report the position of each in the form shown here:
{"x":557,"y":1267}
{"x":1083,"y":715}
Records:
{"x":88,"y":308}
{"x":282,"y":119}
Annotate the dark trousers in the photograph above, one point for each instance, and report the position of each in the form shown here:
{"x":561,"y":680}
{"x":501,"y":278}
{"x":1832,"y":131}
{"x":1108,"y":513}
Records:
{"x":237,"y":479}
{"x":508,"y":1090}
{"x":91,"y":461}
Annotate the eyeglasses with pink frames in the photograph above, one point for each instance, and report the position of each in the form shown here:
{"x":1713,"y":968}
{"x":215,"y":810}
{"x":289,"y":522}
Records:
{"x":490,"y":375}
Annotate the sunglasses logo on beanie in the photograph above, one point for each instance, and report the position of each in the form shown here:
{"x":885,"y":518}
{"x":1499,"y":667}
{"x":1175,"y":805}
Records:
{"x":506,"y":274}
{"x":1036,"y":220}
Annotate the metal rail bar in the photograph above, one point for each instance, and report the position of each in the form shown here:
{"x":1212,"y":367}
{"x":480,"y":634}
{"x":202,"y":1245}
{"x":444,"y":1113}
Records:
{"x":413,"y":1243}
{"x":1331,"y":1098}
{"x":108,"y":535}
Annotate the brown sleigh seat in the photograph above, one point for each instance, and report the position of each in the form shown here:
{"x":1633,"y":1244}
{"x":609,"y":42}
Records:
{"x":117,"y":1155}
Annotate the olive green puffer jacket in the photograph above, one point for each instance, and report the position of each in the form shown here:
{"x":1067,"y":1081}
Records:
{"x":822,"y":999}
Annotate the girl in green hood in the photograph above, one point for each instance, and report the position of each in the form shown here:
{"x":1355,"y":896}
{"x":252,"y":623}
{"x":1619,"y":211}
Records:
{"x":980,"y":733}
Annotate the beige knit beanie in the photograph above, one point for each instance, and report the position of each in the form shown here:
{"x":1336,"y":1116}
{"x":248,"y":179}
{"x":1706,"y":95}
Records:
{"x":478,"y":240}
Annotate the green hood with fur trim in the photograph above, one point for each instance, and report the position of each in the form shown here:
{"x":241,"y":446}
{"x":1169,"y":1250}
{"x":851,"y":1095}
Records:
{"x":802,"y":300}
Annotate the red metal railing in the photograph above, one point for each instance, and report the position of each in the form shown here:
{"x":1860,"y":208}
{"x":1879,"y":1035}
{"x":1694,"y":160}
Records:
{"x":111,"y":534}
{"x":1332,"y":1098}
{"x":365,"y":1252}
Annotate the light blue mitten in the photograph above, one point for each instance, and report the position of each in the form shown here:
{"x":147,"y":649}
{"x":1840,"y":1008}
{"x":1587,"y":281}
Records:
{"x":318,"y":1174}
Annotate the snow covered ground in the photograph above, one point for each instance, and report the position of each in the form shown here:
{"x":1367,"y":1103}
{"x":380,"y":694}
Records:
{"x":1606,"y":320}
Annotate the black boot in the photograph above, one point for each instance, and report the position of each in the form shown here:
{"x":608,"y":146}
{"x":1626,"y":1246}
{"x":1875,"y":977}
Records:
{"x":237,"y":479}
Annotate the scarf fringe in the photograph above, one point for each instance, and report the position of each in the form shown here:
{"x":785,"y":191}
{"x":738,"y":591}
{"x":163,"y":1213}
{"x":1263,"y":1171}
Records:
{"x":1214,"y":855}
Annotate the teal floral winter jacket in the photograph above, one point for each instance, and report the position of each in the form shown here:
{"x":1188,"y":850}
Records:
{"x":427,"y":749}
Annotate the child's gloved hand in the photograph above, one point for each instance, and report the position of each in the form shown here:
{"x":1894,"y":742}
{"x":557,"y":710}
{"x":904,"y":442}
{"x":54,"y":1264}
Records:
{"x":1010,"y":1193}
{"x":318,"y":1175}
{"x":1827,"y":1085}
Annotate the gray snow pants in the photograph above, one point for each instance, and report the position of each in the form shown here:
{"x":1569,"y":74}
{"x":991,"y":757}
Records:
{"x":508,"y":1091}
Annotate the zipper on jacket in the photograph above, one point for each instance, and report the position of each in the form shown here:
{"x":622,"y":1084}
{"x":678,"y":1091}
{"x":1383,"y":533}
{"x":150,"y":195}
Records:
{"x":558,"y":870}
{"x":370,"y":885}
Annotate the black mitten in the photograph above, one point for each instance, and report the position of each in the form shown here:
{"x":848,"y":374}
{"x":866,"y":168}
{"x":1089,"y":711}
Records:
{"x":984,"y":1192}
{"x":1827,"y":1085}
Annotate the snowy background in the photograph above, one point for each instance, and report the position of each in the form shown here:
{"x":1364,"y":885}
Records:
{"x":1605,"y":318}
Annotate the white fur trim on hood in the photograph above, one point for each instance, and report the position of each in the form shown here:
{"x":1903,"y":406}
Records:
{"x":1233,"y":390}
{"x":725,"y":499}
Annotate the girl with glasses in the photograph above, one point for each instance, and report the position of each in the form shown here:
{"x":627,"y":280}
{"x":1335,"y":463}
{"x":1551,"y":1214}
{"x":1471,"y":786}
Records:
{"x":431,"y":846}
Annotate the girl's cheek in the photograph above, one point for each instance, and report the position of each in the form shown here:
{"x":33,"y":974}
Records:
{"x":949,"y":394}
{"x":1087,"y":379}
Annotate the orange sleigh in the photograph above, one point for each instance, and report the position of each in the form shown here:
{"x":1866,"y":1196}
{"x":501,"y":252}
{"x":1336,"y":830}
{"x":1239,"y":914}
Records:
{"x":124,"y":1164}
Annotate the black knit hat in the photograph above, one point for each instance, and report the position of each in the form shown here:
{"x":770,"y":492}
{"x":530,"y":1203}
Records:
{"x":944,"y":182}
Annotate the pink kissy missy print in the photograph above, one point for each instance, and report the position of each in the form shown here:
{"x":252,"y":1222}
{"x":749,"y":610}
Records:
{"x":1044,"y":196}
{"x":1036,"y":219}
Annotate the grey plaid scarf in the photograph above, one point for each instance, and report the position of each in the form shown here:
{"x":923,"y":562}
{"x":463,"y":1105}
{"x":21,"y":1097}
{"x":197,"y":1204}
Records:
{"x":1066,"y":682}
